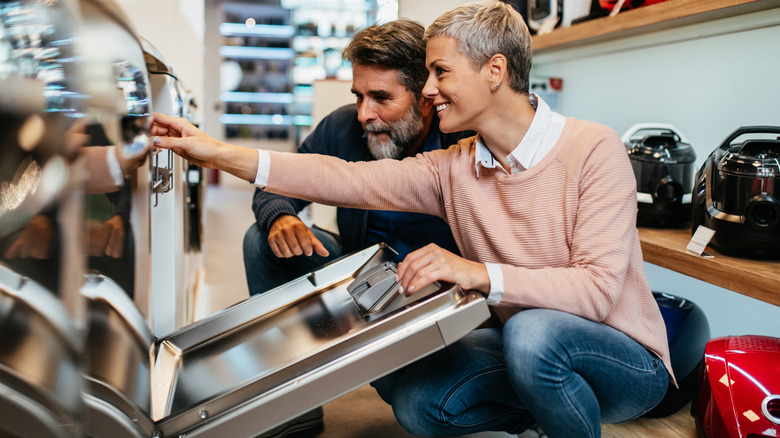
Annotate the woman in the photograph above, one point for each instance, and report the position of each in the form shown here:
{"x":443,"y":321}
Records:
{"x":543,"y":210}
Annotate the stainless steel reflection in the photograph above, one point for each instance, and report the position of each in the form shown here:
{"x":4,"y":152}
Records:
{"x":295,"y":348}
{"x":118,"y":67}
{"x":118,"y":360}
{"x":37,"y":40}
{"x":132,"y":81}
{"x":117,"y":83}
{"x":39,"y":361}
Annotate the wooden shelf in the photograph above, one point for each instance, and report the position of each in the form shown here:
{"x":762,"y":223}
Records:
{"x":758,"y":279}
{"x":660,"y":16}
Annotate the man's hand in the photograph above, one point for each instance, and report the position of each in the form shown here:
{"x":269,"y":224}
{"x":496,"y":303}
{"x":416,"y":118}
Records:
{"x":289,"y":237}
{"x":432,"y":263}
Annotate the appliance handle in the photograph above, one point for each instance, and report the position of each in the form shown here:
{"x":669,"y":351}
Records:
{"x":626,"y":138}
{"x":748,"y":130}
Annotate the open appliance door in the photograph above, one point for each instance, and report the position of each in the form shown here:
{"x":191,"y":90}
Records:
{"x":272,"y":357}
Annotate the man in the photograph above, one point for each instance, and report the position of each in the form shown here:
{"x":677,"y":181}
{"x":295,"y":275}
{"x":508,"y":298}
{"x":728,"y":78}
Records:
{"x":392,"y":120}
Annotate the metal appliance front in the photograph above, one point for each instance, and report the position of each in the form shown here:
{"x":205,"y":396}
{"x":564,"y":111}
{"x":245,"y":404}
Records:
{"x":268,"y":359}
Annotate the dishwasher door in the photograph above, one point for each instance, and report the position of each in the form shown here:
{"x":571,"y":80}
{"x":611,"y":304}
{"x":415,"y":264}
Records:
{"x":275,"y":356}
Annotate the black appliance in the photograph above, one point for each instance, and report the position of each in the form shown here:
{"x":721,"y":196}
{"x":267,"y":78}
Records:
{"x":736,"y":193}
{"x":663,"y":163}
{"x":688,"y":331}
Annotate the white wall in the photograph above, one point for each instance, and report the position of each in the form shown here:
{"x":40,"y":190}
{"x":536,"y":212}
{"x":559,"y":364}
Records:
{"x":426,"y":11}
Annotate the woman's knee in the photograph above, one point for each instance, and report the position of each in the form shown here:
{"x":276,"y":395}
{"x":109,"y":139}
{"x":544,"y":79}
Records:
{"x":529,"y":331}
{"x":533,"y":343}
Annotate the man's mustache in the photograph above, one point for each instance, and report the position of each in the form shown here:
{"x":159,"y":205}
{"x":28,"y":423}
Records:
{"x":374,"y":128}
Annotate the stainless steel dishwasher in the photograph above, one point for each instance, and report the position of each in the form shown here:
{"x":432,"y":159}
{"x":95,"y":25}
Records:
{"x":266,"y":360}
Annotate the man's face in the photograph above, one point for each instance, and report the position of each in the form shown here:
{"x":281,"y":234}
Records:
{"x":389,"y":112}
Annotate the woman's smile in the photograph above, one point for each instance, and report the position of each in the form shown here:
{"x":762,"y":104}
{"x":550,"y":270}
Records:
{"x":442,"y":107}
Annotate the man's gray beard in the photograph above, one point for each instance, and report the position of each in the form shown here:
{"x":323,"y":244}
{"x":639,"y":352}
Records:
{"x":402,"y":135}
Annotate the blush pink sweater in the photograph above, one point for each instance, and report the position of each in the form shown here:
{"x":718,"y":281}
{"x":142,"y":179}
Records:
{"x":563,"y":231}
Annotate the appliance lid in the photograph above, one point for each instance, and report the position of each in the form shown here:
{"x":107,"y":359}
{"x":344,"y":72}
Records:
{"x":759,"y":158}
{"x":658,"y":143}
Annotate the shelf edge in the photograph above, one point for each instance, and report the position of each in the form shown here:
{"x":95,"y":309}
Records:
{"x":646,"y":19}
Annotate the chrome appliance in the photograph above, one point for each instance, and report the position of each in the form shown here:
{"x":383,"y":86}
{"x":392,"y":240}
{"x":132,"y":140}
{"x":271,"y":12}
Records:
{"x":41,"y":263}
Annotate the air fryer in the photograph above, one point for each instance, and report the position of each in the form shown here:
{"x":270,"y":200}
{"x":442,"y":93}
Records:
{"x":736,"y":194}
{"x":663,"y":163}
{"x":739,"y":393}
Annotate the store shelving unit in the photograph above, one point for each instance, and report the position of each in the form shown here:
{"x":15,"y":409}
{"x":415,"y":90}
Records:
{"x":283,"y":46}
{"x":323,"y":29}
{"x":258,"y":37}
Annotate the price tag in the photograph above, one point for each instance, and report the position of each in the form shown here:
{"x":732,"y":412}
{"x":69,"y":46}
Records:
{"x":698,"y":243}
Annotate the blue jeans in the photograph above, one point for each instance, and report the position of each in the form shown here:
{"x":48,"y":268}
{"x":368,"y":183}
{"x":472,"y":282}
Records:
{"x":564,"y":372}
{"x":265,"y":271}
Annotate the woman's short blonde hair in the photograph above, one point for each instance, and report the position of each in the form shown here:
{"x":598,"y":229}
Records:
{"x":484,"y":28}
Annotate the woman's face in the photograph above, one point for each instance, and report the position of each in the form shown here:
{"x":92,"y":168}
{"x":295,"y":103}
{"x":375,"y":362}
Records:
{"x":459,"y":93}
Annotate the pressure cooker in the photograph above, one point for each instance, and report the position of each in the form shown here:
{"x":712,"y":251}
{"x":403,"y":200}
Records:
{"x":663,"y":163}
{"x":736,"y":193}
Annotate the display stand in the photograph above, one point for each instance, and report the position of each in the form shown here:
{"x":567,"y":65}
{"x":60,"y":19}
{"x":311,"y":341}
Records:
{"x":759,"y":279}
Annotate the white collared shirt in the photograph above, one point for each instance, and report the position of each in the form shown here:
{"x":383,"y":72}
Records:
{"x":542,"y":135}
{"x":544,"y":132}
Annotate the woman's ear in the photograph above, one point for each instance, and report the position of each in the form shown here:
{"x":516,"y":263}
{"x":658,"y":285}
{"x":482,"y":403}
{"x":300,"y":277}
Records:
{"x":497,"y":68}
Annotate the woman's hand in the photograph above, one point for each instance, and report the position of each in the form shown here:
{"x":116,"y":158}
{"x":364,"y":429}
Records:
{"x":192,"y":144}
{"x":432,"y":263}
{"x":184,"y":139}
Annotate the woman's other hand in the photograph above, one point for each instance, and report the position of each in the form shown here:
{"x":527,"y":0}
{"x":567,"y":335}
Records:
{"x":433,"y":263}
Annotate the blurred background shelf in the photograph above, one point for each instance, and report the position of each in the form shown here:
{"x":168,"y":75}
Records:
{"x":646,"y":19}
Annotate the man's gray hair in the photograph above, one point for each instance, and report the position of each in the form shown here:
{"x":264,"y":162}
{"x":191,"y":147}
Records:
{"x":482,"y":29}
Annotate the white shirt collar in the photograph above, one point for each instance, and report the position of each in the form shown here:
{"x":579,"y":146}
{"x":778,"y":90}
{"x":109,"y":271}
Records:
{"x":545,"y":129}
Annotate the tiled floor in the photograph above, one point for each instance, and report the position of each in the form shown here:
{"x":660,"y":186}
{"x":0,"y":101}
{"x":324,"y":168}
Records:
{"x":360,"y":413}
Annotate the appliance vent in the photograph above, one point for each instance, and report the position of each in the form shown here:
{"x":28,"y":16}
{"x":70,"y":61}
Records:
{"x":761,"y":343}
